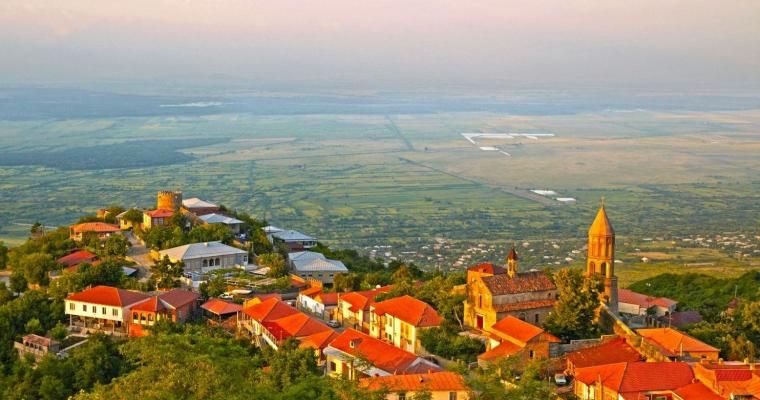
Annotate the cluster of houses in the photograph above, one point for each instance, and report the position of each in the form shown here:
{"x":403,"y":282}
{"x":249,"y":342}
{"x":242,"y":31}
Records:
{"x":362,"y":336}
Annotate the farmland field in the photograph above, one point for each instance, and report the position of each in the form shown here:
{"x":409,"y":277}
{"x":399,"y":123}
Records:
{"x":366,"y":177}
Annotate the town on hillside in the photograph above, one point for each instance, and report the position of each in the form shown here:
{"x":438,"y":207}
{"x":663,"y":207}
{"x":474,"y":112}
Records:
{"x":131,"y":276}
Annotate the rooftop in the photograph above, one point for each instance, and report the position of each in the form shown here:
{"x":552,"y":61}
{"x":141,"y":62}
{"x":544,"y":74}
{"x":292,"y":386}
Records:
{"x":76,"y":258}
{"x":442,"y":381}
{"x":380,"y":354}
{"x":160,"y":213}
{"x":362,"y":300}
{"x":100,"y":227}
{"x":614,"y":351}
{"x":319,"y":265}
{"x":269,"y":309}
{"x":219,"y":219}
{"x":673,"y":342}
{"x":197,"y":203}
{"x":534,"y":281}
{"x":518,"y":331}
{"x":288,"y":236}
{"x":410,"y":310}
{"x":635,"y":377}
{"x":487,"y":268}
{"x":524,"y":305}
{"x":696,"y":391}
{"x":198,"y":250}
{"x":601,"y":225}
{"x":642,"y":300}
{"x":221,"y":307}
{"x":505,"y":349}
{"x":108,"y":296}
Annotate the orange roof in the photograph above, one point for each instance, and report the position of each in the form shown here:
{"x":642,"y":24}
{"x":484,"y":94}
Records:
{"x":152,"y":305}
{"x":362,"y":300}
{"x":311,"y":292}
{"x":177,"y":298}
{"x":318,"y":340}
{"x":518,"y":331}
{"x":76,"y":258}
{"x":671,"y":341}
{"x":410,"y":310}
{"x":160,"y":213}
{"x":328,"y":299}
{"x":442,"y":381}
{"x":601,"y":225}
{"x":487,"y":268}
{"x":637,"y":377}
{"x":269,"y":309}
{"x":108,"y":296}
{"x":299,"y":324}
{"x":696,"y":391}
{"x":525,"y":305}
{"x":614,"y":351}
{"x":505,"y":349}
{"x":729,"y":377}
{"x":642,"y":300}
{"x":221,"y":307}
{"x":100,"y":227}
{"x":381,"y":355}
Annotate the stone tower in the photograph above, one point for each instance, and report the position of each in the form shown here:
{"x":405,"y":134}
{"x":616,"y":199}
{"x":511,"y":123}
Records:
{"x":601,"y":256}
{"x":169,"y":200}
{"x":512,"y":263}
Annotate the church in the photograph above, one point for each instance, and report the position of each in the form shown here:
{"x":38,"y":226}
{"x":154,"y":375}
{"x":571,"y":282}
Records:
{"x":494,"y":292}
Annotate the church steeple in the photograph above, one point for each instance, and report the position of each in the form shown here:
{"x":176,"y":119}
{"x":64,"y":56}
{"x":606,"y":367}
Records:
{"x":601,"y":255}
{"x":512,"y":262}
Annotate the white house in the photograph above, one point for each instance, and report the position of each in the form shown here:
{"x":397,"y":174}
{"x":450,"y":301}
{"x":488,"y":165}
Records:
{"x":102,"y":308}
{"x":309,"y":264}
{"x":207,"y":256}
{"x":233,"y":223}
{"x":291,"y":239}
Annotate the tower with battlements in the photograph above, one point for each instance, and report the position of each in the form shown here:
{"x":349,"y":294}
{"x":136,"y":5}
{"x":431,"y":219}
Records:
{"x":169,"y":200}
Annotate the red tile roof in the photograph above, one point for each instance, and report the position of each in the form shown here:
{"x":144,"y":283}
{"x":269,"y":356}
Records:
{"x":362,"y":300}
{"x":519,"y":331}
{"x":504,"y":349}
{"x":443,"y":381}
{"x":76,"y":258}
{"x":381,"y":355}
{"x":221,"y":307}
{"x":487,"y":268}
{"x":269,"y":309}
{"x":696,"y":391}
{"x":671,"y":341}
{"x":642,"y":300}
{"x":160,"y":213}
{"x":328,"y":299}
{"x":311,"y":292}
{"x":100,"y":227}
{"x":410,"y":310}
{"x":177,"y":298}
{"x":536,"y":281}
{"x":729,"y":377}
{"x":614,"y":351}
{"x":525,"y":305}
{"x":318,"y":340}
{"x":628,"y":378}
{"x":108,"y":296}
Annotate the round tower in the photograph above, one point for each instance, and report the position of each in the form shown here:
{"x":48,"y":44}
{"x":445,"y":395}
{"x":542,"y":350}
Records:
{"x":169,"y":200}
{"x":601,"y":256}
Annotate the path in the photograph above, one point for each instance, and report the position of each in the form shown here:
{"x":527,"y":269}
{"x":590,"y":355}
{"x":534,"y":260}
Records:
{"x":139,"y":254}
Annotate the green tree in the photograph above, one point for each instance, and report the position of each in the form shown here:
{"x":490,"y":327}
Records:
{"x":346,"y":282}
{"x":574,"y":313}
{"x":18,"y":282}
{"x":133,"y":216}
{"x":210,"y":233}
{"x":214,"y":287}
{"x":275,"y":262}
{"x":115,"y":246}
{"x":33,"y":326}
{"x":36,"y":266}
{"x":289,"y":364}
{"x":166,"y":273}
{"x":5,"y":294}
{"x":3,"y":255}
{"x":59,"y":332}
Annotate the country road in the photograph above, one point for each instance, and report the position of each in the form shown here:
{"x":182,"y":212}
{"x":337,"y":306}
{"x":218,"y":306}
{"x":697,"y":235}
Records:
{"x":139,"y":254}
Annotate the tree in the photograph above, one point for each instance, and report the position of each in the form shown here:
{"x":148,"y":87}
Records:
{"x":275,"y":262}
{"x":115,"y":246}
{"x":133,"y":216}
{"x":18,"y":282}
{"x":574,"y":313}
{"x":214,"y":287}
{"x":59,"y":332}
{"x":5,"y":294}
{"x":210,"y":233}
{"x":37,"y":229}
{"x":33,"y":326}
{"x":36,"y":266}
{"x":167,"y":273}
{"x":289,"y":364}
{"x":346,"y":282}
{"x":3,"y":255}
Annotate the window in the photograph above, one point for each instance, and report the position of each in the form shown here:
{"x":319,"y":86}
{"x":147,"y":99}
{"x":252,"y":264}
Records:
{"x":71,"y":306}
{"x":205,"y":263}
{"x":134,"y":316}
{"x":333,"y":366}
{"x":480,"y":301}
{"x":402,"y":396}
{"x":115,"y":312}
{"x":218,"y":262}
{"x":84,"y":307}
{"x":103,"y":310}
{"x":535,"y":319}
{"x":530,"y":354}
{"x":452,"y":395}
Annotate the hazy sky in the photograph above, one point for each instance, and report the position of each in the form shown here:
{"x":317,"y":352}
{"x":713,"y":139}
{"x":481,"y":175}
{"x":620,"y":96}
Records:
{"x":392,"y":43}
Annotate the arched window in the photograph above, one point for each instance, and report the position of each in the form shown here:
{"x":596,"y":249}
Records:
{"x":522,"y":316}
{"x":218,"y":262}
{"x":205,"y":263}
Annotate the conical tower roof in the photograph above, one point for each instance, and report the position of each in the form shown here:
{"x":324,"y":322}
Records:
{"x":512,"y":255}
{"x":601,"y":225}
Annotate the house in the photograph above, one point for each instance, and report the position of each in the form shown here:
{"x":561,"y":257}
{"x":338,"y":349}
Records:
{"x":441,"y":385}
{"x":493,"y":293}
{"x":353,"y":355}
{"x":233,"y":223}
{"x":37,"y":346}
{"x":738,"y":379}
{"x":293,"y":240}
{"x":353,"y":307}
{"x":158,"y":217}
{"x":176,"y":305}
{"x":222,"y":313}
{"x":199,"y":207}
{"x":630,"y":302}
{"x":512,"y":336}
{"x":123,"y":223}
{"x":102,"y":308}
{"x":77,"y":257}
{"x":400,"y":321}
{"x":101,"y":229}
{"x":695,"y":391}
{"x":272,"y":321}
{"x":313,"y":265}
{"x":631,"y":380}
{"x":676,"y":345}
{"x":679,"y":319}
{"x":314,"y":301}
{"x":613,"y":351}
{"x":201,"y":258}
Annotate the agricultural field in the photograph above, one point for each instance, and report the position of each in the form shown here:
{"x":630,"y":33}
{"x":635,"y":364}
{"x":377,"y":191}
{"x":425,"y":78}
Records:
{"x":401,"y":182}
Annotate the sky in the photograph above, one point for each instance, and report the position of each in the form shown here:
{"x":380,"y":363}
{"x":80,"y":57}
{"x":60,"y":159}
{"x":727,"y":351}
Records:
{"x":696,"y":44}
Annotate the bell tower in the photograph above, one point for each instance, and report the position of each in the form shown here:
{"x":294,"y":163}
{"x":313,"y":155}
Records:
{"x":512,"y":262}
{"x":601,"y":256}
